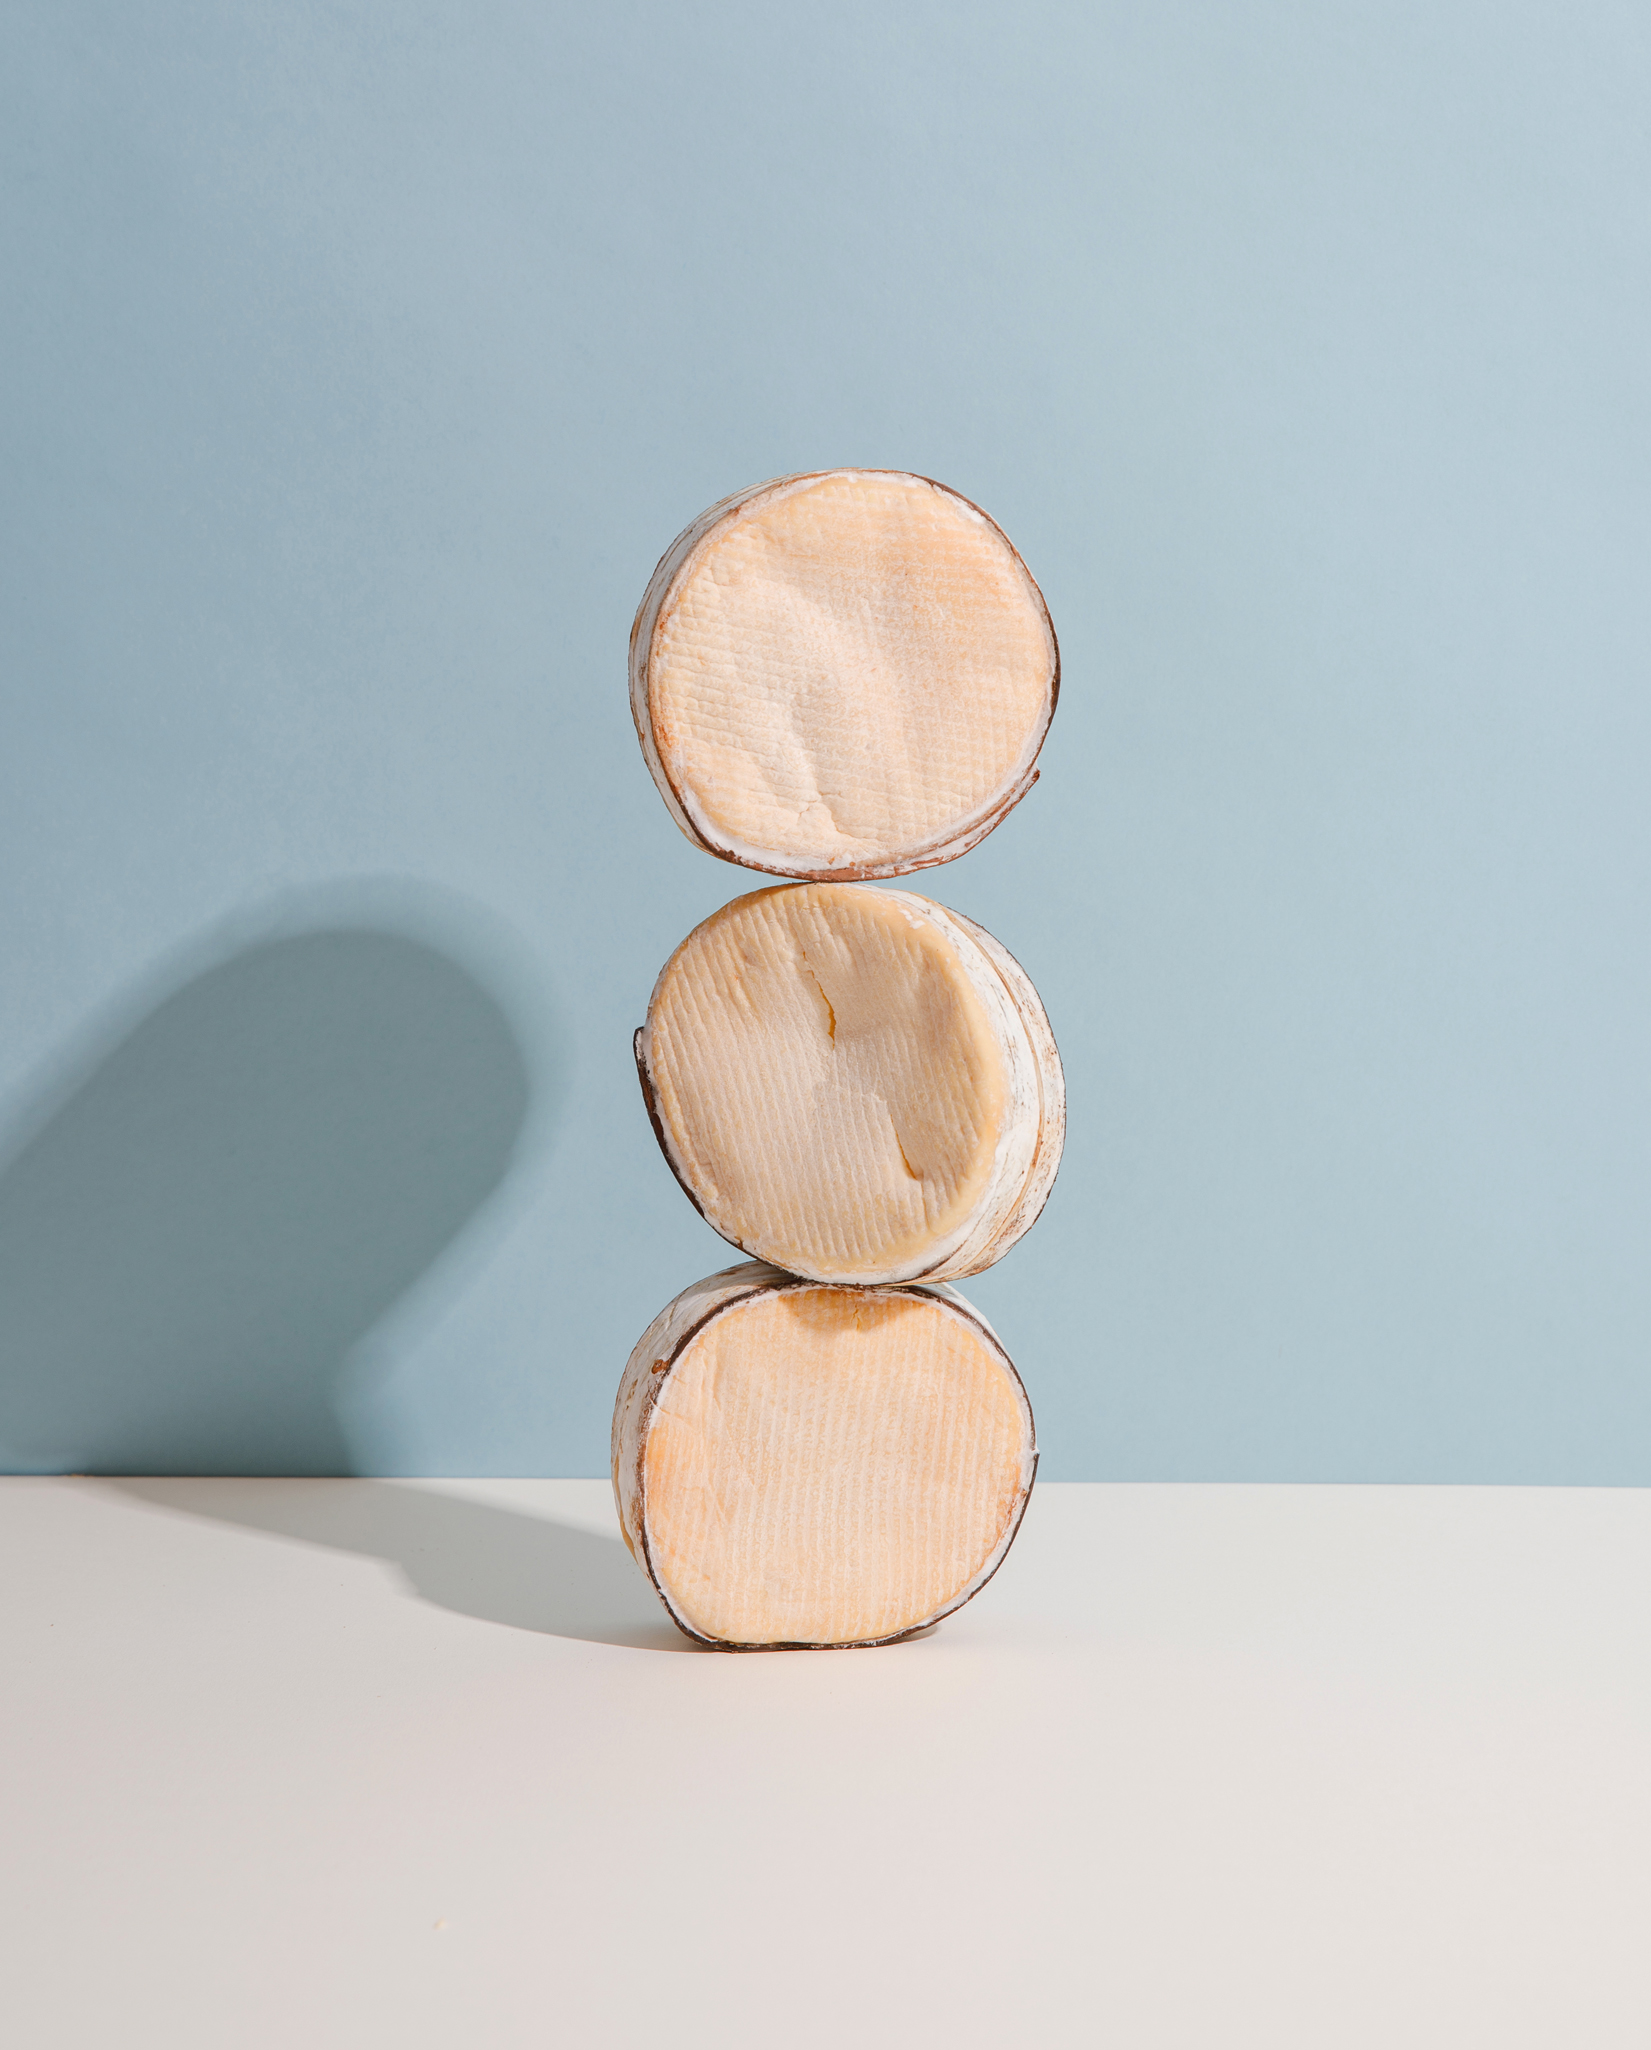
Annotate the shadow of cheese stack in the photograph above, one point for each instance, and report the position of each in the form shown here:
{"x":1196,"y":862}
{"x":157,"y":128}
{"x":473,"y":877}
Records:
{"x":838,"y":677}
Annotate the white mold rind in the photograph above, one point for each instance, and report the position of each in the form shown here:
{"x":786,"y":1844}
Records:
{"x":1040,"y":1181}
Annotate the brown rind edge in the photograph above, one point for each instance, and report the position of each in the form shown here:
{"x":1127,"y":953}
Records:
{"x":651,"y":1105}
{"x":935,"y":852}
{"x":662,"y":1372}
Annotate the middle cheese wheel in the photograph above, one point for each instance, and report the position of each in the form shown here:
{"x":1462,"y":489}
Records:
{"x":854,"y":1084}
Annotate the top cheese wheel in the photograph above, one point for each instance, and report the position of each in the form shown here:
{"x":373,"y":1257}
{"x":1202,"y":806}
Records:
{"x":842,"y":675}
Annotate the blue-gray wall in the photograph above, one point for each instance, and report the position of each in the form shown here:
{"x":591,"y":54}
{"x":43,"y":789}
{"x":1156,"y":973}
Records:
{"x":358,"y":362}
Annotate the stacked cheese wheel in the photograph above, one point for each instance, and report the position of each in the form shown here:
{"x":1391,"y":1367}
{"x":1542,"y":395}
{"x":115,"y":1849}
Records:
{"x":836,"y":677}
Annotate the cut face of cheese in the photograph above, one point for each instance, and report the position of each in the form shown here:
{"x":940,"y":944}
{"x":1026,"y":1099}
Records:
{"x":854,"y":1084}
{"x":845,"y":674}
{"x":797,"y":1465}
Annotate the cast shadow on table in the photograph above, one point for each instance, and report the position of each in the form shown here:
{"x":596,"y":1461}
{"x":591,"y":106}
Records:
{"x":232,"y":1187}
{"x":475,"y":1558}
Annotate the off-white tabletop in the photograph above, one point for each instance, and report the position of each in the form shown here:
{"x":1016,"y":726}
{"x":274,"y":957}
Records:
{"x":315,"y":1763}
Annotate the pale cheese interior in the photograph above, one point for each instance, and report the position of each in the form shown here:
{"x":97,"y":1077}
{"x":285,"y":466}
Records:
{"x":825,"y":1465}
{"x":849,"y":670}
{"x":828,"y":1077}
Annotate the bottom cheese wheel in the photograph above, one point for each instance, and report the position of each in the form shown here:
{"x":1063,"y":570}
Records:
{"x":801,"y":1465}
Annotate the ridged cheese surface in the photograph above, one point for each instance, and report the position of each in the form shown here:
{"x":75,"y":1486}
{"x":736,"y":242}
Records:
{"x":831,"y":1066}
{"x":849,"y":668}
{"x":825,"y":1465}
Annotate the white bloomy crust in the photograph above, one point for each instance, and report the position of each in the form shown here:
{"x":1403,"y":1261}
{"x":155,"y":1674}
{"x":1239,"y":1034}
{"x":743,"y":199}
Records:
{"x":842,"y":675}
{"x":854,"y":1084}
{"x":797,"y":1466}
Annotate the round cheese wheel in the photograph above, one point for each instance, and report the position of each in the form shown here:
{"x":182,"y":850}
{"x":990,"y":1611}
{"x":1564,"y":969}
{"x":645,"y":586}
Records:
{"x":854,"y":1083}
{"x":803,"y":1466}
{"x":844,"y":674}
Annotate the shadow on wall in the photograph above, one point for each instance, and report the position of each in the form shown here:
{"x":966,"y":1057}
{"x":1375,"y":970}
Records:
{"x":197,"y":1235}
